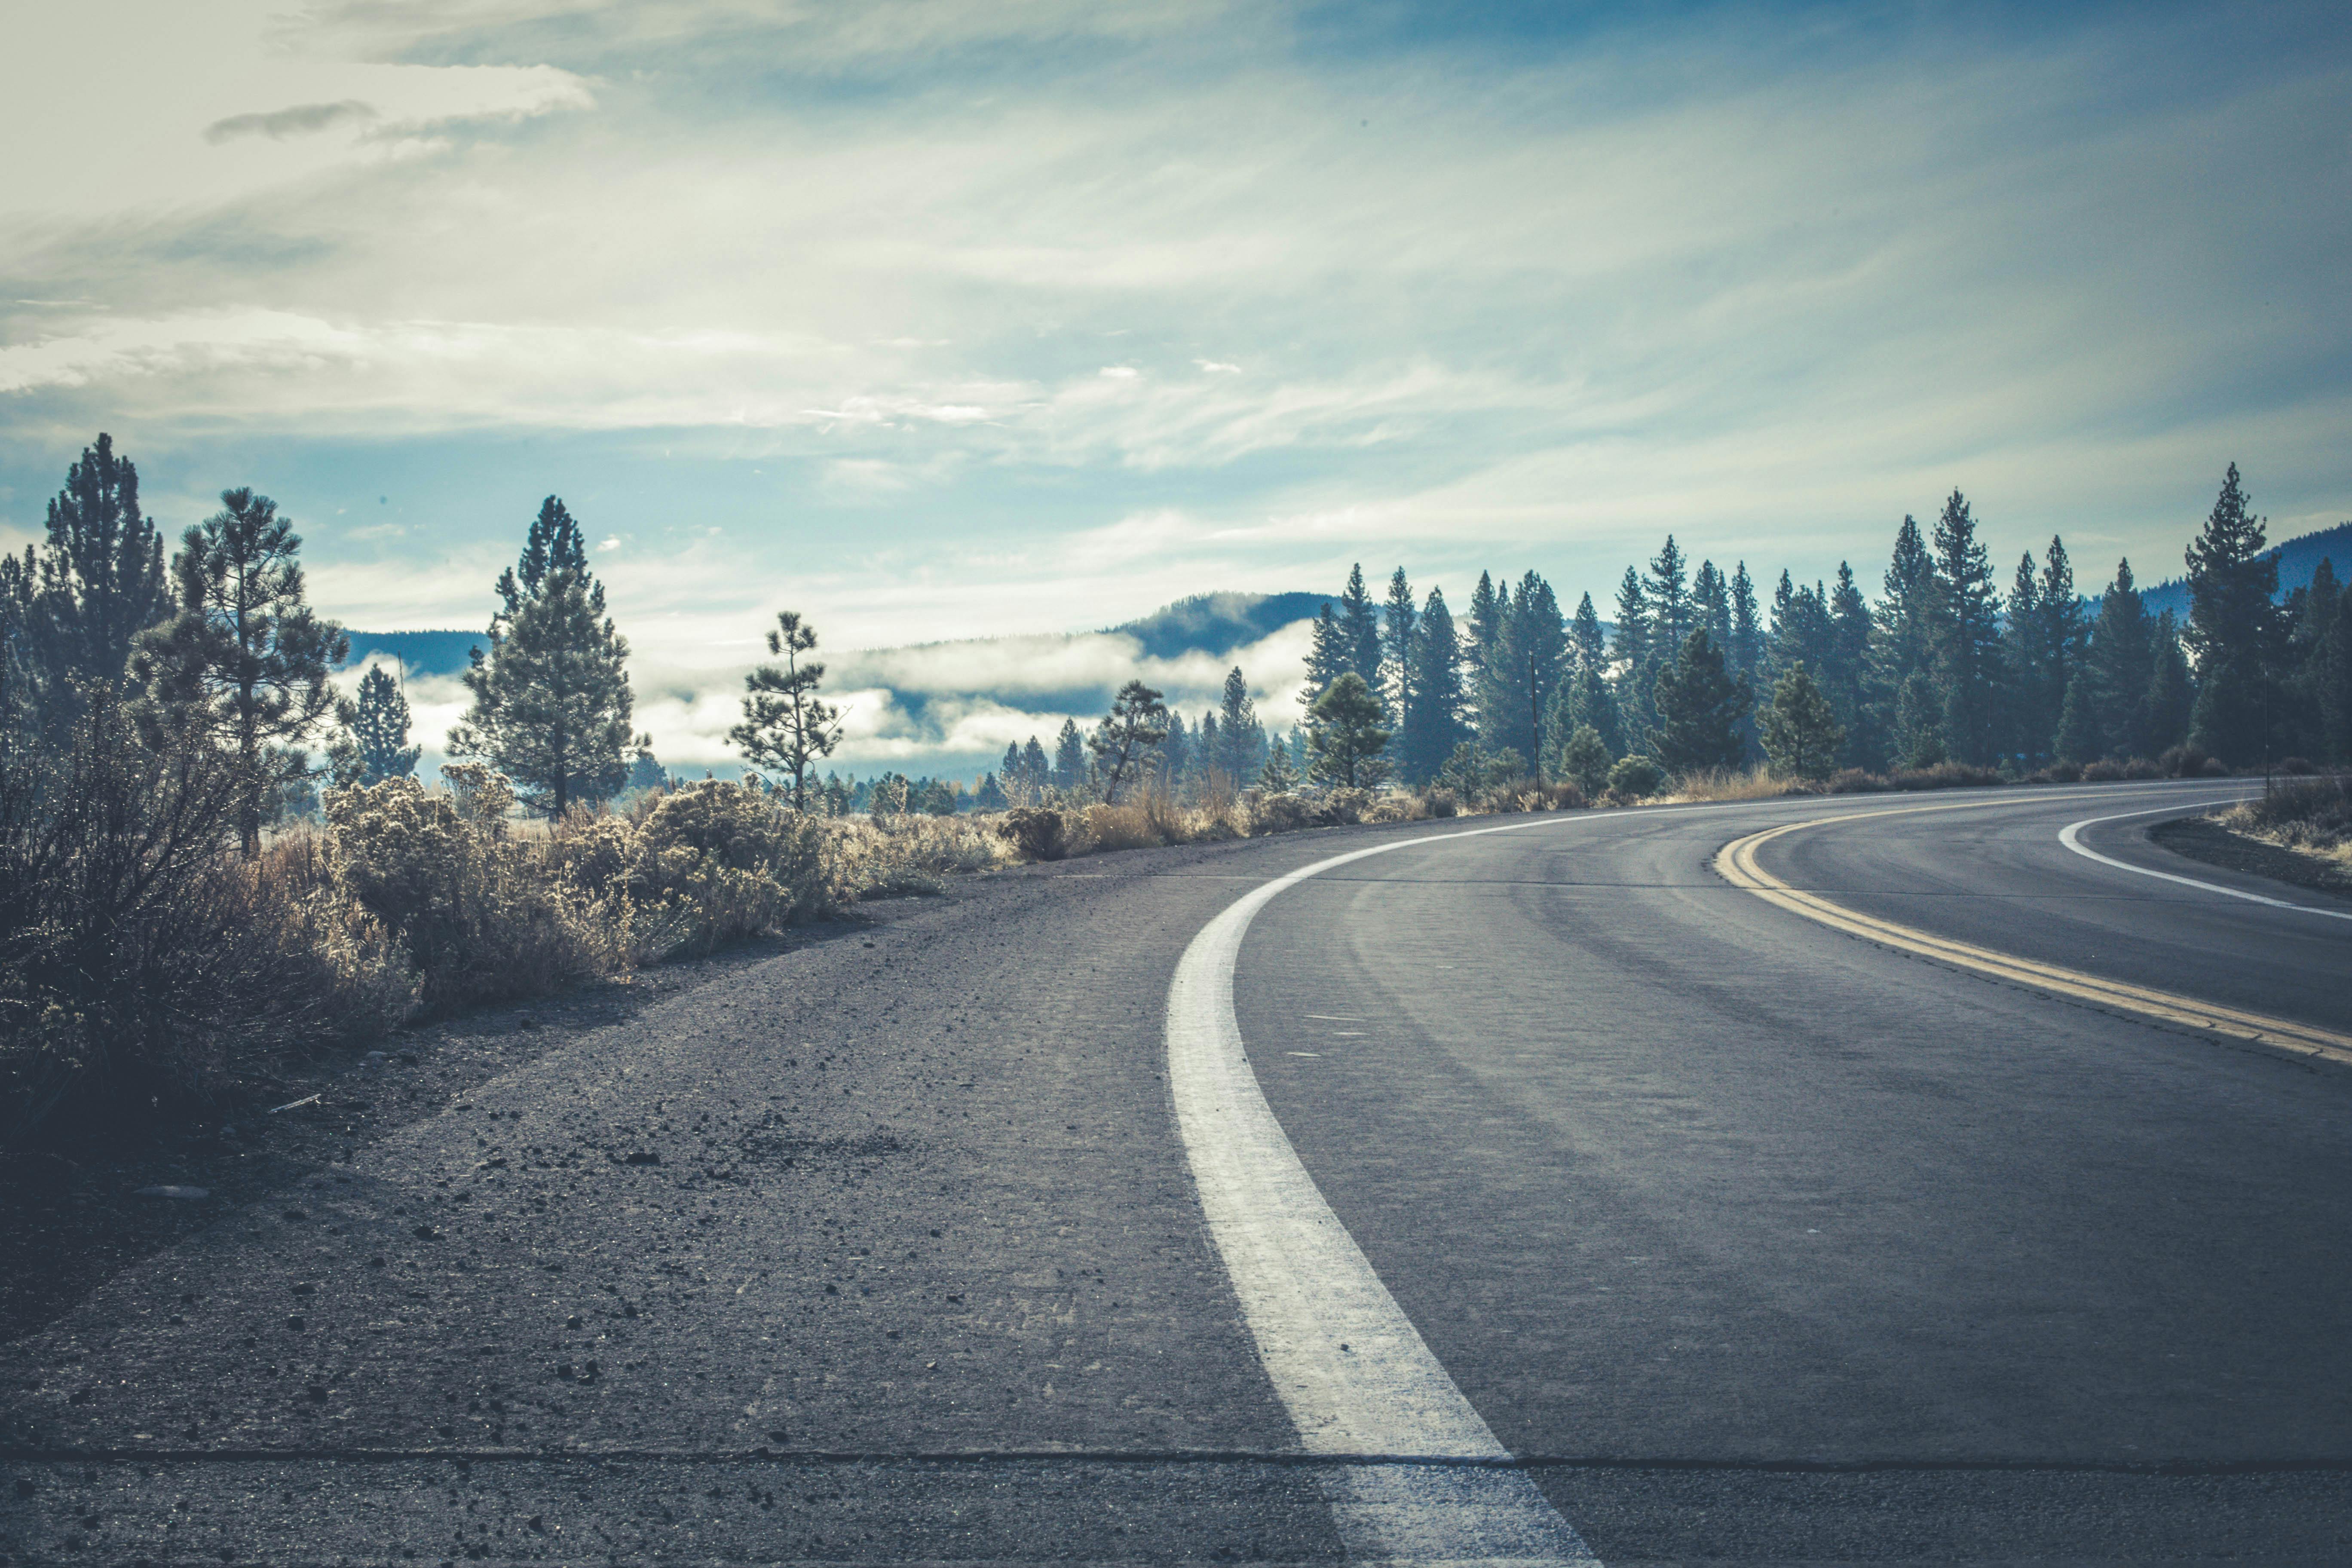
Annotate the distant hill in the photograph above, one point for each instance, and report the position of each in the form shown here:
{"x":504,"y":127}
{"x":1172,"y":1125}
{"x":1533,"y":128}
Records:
{"x":2298,"y":558}
{"x":1218,"y":622}
{"x":423,"y":653}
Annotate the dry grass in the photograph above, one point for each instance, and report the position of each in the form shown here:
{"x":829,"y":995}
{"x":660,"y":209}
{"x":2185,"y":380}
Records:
{"x":1757,"y":783}
{"x":2311,"y":816}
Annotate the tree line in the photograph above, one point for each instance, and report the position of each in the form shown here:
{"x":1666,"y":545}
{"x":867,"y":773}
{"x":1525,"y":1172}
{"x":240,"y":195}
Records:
{"x":223,"y":653}
{"x":1696,"y":675}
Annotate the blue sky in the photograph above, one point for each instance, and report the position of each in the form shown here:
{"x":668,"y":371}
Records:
{"x":939,"y":320}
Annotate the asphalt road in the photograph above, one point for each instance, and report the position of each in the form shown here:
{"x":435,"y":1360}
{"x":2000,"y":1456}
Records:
{"x":1755,"y":1241}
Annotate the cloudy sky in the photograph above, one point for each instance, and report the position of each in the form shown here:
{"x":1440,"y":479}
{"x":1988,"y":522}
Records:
{"x":941,"y":320}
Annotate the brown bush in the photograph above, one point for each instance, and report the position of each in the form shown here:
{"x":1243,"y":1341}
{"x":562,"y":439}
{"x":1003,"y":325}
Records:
{"x":2182,"y":762}
{"x":1111,"y":828}
{"x":485,"y":916}
{"x":1038,"y":832}
{"x":1286,"y":813}
{"x":2105,"y":770}
{"x":1854,"y":781}
{"x":144,"y":963}
{"x":1943,"y":775}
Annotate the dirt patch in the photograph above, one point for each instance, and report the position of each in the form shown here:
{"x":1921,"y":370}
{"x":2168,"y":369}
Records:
{"x":2202,"y":838}
{"x":72,"y":1214}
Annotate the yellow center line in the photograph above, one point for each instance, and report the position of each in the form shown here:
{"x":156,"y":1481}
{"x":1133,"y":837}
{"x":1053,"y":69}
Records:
{"x":1736,"y":863}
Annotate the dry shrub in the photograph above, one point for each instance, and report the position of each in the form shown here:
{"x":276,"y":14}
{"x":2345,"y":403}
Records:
{"x":1110,"y":828}
{"x":1442,"y":802}
{"x":1854,"y":781}
{"x":1040,"y":832}
{"x":2104,"y":770}
{"x":2060,"y":773}
{"x":141,"y":960}
{"x":715,"y":863}
{"x":2312,"y":815}
{"x":1757,"y":783}
{"x":2182,"y":762}
{"x":1283,"y":813}
{"x":1943,"y":775}
{"x":1525,"y":794}
{"x":866,"y":860}
{"x":484,"y":917}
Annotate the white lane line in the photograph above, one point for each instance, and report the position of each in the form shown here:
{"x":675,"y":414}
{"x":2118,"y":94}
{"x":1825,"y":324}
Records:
{"x":1347,"y":1362}
{"x":2068,"y":836}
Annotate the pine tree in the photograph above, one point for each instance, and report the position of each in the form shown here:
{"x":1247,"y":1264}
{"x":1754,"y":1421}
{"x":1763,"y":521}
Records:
{"x":1711,"y":606}
{"x":1280,"y":775}
{"x":1486,"y":626}
{"x":1699,"y":702}
{"x":785,"y":726}
{"x":1798,"y":728}
{"x":2234,"y":630}
{"x":1326,"y":655}
{"x":1126,"y":737}
{"x":2082,"y":733}
{"x":1069,"y":759}
{"x":2172,"y":696}
{"x":1516,"y":689}
{"x":551,"y":699}
{"x":2333,"y":681}
{"x":1240,"y":738}
{"x":1587,"y":703}
{"x":2315,"y":610}
{"x":1345,"y":734}
{"x":1433,"y":725}
{"x":2117,"y":673}
{"x":1669,"y":599}
{"x":80,"y":605}
{"x":1399,"y":625}
{"x":1845,"y":674}
{"x":1967,"y":623}
{"x":1586,"y":642}
{"x":1744,"y":648}
{"x":1172,"y":765}
{"x":245,"y":660}
{"x":1905,"y":644}
{"x":373,"y":743}
{"x":1631,"y":647}
{"x":1360,"y":629}
{"x":1584,"y":761}
{"x":1919,"y":722}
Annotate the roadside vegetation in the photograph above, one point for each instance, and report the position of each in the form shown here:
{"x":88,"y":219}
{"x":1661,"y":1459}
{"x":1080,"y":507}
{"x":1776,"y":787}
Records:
{"x":2309,"y":815}
{"x":208,"y":861}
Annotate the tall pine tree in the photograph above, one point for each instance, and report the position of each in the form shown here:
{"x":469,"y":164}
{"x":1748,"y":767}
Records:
{"x":1400,"y":622}
{"x":1967,"y":623}
{"x":1432,"y":722}
{"x":2234,"y":631}
{"x":1359,"y":630}
{"x":373,"y":743}
{"x":552,"y":700}
{"x":1238,"y":748}
{"x":245,"y":661}
{"x":79,"y":603}
{"x":785,"y":725}
{"x":1699,"y":704}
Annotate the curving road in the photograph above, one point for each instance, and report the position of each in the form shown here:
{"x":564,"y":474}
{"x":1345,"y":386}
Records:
{"x":1750,"y":1240}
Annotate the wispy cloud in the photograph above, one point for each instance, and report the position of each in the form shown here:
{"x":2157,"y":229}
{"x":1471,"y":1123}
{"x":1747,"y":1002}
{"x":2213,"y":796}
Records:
{"x":936,"y":319}
{"x":302,"y":120}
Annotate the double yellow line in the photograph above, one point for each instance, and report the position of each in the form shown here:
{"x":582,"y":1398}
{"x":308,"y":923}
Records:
{"x":1736,"y":863}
